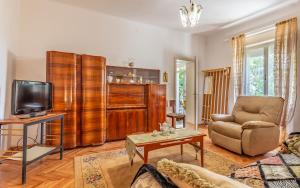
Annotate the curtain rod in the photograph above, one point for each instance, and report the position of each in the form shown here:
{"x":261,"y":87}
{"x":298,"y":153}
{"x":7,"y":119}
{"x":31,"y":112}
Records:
{"x":257,"y":31}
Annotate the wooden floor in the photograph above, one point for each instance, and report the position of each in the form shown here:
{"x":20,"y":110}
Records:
{"x":52,"y":172}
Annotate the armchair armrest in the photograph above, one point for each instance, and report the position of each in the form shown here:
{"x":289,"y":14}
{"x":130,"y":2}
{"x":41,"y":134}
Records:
{"x":257,"y":124}
{"x":222,"y":117}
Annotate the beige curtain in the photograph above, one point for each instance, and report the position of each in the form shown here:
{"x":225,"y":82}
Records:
{"x":238,"y":45}
{"x":285,"y":69}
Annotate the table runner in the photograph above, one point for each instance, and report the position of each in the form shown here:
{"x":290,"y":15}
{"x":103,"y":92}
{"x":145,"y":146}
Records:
{"x":133,"y":141}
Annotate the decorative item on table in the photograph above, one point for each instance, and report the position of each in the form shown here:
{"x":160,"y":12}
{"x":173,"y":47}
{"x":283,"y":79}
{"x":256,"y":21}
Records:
{"x":110,"y":77}
{"x":165,"y":77}
{"x":154,"y":133}
{"x":172,"y":130}
{"x":165,"y":129}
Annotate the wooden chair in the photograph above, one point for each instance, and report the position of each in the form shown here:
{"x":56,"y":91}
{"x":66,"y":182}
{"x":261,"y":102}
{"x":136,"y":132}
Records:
{"x":175,"y":116}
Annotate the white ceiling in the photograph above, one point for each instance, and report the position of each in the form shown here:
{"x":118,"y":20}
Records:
{"x":216,"y":13}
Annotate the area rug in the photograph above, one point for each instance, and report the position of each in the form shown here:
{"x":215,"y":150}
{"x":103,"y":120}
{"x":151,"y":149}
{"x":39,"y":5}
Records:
{"x":282,"y":170}
{"x":112,"y":169}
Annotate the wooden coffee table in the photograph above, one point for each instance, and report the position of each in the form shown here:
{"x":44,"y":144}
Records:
{"x":150,"y":143}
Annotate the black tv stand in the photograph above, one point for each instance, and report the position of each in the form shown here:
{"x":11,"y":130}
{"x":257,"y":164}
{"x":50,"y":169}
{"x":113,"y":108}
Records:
{"x":24,"y":125}
{"x":32,"y":115}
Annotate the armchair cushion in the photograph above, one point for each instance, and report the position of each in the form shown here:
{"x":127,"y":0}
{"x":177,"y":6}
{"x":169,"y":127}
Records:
{"x":257,"y":124}
{"x":229,"y":129}
{"x":222,"y":117}
{"x":249,"y":108}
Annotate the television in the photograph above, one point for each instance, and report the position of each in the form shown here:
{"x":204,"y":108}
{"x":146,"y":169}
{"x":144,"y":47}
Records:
{"x":31,"y":98}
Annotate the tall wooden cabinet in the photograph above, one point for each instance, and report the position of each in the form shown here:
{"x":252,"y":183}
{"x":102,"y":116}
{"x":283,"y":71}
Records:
{"x":79,"y":91}
{"x":64,"y":71}
{"x":93,"y":116}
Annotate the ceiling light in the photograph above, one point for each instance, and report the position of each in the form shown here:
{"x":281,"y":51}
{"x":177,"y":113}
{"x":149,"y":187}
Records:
{"x":190,"y":16}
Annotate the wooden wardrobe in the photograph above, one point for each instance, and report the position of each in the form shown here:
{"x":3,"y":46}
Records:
{"x":79,"y":90}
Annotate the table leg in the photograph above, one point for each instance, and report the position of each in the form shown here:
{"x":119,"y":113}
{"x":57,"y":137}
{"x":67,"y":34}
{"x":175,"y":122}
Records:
{"x":174,"y":122}
{"x":183,"y":122}
{"x":181,"y":149}
{"x":42,"y":133}
{"x":146,"y":155}
{"x":24,"y":155}
{"x":202,"y":152}
{"x":61,"y":138}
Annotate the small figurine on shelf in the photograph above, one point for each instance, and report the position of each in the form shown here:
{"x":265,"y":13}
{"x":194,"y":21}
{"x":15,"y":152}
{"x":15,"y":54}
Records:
{"x":130,"y":62}
{"x":110,"y":77}
{"x":141,"y":80}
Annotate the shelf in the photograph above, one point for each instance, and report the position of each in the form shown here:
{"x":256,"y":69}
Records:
{"x":126,"y":74}
{"x":33,"y":153}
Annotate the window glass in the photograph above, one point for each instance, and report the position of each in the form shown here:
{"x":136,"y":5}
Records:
{"x":259,"y":74}
{"x":255,"y":72}
{"x":271,"y":70}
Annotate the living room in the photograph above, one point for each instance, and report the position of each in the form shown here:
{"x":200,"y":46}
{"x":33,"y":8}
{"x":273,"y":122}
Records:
{"x":139,"y":46}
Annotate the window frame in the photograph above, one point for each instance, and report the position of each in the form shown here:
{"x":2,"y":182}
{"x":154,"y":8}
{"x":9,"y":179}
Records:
{"x":265,"y":45}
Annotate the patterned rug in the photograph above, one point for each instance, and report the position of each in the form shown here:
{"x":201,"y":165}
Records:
{"x":280,"y":171}
{"x":112,"y":169}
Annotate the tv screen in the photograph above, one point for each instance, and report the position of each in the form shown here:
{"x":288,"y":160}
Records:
{"x":29,"y":97}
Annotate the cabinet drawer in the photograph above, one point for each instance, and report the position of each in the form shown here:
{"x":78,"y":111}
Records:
{"x":125,"y":96}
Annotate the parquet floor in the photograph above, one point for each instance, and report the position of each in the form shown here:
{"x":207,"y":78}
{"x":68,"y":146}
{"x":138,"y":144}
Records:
{"x":52,"y":172}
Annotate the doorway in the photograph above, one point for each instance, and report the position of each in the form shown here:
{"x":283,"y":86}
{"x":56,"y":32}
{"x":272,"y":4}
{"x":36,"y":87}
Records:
{"x":185,"y":90}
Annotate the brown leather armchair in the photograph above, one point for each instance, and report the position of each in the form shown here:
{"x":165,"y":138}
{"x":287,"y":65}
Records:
{"x":252,"y":128}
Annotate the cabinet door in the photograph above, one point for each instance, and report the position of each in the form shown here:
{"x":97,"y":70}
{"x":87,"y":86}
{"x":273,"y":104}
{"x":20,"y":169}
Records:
{"x":64,"y":72}
{"x":156,"y":106}
{"x":93,"y":114}
{"x":121,"y":123}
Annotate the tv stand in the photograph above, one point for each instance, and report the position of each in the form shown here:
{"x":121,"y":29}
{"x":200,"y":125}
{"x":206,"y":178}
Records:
{"x":32,"y":115}
{"x":44,"y":150}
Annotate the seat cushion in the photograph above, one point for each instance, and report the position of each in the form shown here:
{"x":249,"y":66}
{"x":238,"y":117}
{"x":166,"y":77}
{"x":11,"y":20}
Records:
{"x":229,"y":129}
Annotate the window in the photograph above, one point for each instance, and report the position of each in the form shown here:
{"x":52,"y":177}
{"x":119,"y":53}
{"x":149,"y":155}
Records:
{"x":259,"y":74}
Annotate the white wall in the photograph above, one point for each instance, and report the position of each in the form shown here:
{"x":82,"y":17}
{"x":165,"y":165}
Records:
{"x":199,"y":50}
{"x":9,"y":16}
{"x":48,"y":25}
{"x":219,"y":51}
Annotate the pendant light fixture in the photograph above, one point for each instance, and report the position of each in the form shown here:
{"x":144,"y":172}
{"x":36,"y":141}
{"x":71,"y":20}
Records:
{"x":190,"y":15}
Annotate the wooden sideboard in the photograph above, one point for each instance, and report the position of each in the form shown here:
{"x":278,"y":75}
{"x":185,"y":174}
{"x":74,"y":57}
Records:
{"x":97,"y":111}
{"x":133,"y":108}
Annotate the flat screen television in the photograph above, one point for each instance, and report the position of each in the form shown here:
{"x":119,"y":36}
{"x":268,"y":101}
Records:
{"x":31,"y":97}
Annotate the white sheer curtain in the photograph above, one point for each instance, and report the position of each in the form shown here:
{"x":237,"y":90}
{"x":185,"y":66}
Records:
{"x":238,"y":45}
{"x":285,"y":69}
